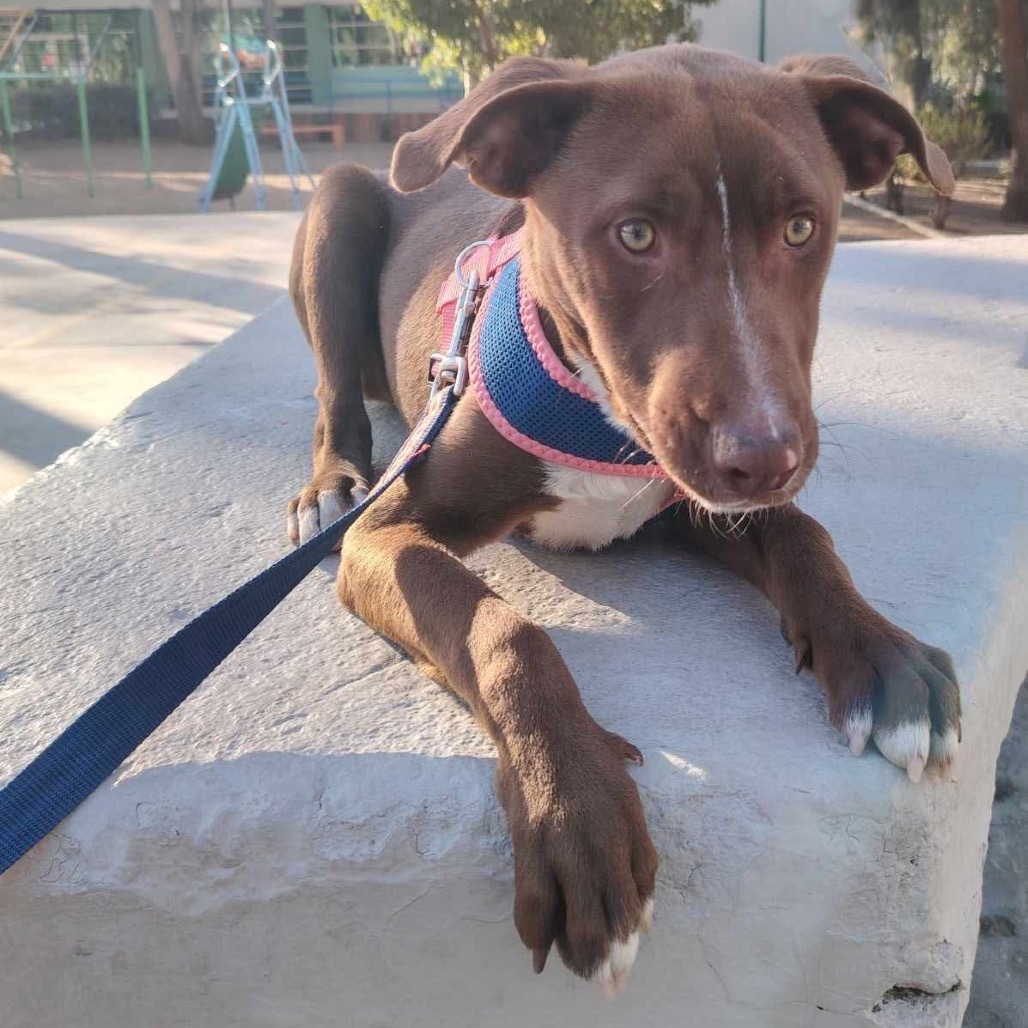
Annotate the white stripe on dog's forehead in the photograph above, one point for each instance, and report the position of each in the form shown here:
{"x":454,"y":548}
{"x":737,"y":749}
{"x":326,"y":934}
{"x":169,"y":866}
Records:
{"x":754,"y":359}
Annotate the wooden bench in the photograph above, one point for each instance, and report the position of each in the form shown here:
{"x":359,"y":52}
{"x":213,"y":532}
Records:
{"x":335,"y":129}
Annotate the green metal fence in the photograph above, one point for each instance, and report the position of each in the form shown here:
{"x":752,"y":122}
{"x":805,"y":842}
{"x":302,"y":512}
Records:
{"x":14,"y":120}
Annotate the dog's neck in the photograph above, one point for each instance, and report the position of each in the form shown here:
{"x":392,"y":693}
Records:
{"x":558,"y":323}
{"x":565,"y":333}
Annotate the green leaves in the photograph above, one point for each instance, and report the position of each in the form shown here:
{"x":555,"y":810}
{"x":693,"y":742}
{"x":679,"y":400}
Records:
{"x":473,"y":36}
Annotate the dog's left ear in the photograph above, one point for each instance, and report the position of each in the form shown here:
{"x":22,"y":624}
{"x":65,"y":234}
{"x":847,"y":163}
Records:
{"x":506,"y":131}
{"x":867,"y":128}
{"x":515,"y":137}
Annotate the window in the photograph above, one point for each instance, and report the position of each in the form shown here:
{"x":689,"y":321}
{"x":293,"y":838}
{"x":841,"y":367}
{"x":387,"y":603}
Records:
{"x":358,"y":42}
{"x":292,"y":37}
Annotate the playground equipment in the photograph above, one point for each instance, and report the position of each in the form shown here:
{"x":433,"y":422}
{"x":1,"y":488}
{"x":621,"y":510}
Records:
{"x":78,"y":79}
{"x":233,"y":106}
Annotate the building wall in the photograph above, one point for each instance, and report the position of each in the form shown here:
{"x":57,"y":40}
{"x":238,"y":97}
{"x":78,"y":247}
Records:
{"x":792,"y":27}
{"x":319,"y":54}
{"x":151,"y":60}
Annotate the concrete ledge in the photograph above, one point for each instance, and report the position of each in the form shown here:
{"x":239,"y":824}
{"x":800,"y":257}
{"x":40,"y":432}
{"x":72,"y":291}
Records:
{"x":312,"y":839}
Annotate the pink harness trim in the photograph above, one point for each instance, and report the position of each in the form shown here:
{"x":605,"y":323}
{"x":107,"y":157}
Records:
{"x":556,"y":368}
{"x":488,"y":261}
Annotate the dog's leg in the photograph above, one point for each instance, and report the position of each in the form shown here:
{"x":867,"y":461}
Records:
{"x":337,"y":258}
{"x":880,"y":681}
{"x":584,"y":863}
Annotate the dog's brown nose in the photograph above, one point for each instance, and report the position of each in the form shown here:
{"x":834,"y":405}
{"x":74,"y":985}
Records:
{"x":748,"y":467}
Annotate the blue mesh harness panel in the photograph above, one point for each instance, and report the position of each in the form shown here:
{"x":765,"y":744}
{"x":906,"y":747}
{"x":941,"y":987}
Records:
{"x":531,"y":400}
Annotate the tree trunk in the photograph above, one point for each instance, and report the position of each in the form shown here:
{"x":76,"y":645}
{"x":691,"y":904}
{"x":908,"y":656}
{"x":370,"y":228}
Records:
{"x":922,"y":70}
{"x":486,"y":37}
{"x":270,"y":9}
{"x":940,"y":210}
{"x":183,"y":70}
{"x":894,"y":192}
{"x":1010,"y":15}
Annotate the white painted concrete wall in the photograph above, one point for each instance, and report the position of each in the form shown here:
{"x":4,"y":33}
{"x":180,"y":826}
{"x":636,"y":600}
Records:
{"x":312,"y":840}
{"x":792,"y":27}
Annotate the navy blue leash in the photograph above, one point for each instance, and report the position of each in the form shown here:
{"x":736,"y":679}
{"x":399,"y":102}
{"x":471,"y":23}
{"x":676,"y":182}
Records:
{"x":86,"y":753}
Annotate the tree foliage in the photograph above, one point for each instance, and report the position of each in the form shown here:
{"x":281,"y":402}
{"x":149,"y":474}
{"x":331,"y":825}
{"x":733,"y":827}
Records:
{"x":473,"y":36}
{"x":936,"y":50}
{"x":943,"y":54}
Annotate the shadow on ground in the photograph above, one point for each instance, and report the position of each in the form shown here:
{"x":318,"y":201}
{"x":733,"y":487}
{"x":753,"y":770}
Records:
{"x":999,"y":988}
{"x":35,"y":436}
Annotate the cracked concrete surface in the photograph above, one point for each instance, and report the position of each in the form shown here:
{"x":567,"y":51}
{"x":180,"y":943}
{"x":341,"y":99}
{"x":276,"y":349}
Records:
{"x":310,"y":842}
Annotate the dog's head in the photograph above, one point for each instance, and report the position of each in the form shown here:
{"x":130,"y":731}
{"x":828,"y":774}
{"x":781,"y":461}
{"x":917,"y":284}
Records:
{"x":682,"y":207}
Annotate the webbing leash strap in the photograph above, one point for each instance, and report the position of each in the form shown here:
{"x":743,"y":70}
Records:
{"x":89,"y":750}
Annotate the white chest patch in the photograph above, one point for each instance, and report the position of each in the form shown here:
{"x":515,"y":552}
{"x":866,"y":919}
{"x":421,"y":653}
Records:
{"x":596,"y":509}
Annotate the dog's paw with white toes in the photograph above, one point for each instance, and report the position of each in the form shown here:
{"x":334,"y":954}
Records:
{"x":900,"y":693}
{"x":584,"y":864}
{"x":906,"y":745}
{"x":612,"y":974}
{"x":317,"y":507}
{"x":916,"y":745}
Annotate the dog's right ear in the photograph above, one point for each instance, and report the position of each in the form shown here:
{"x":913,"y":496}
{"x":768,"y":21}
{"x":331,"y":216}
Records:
{"x":826,"y":64}
{"x":867,"y":128}
{"x":505,"y":131}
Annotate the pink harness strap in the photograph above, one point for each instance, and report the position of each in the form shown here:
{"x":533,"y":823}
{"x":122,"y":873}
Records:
{"x":486,"y":261}
{"x":543,"y":367}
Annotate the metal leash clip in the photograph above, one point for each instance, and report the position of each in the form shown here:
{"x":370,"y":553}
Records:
{"x":451,"y":368}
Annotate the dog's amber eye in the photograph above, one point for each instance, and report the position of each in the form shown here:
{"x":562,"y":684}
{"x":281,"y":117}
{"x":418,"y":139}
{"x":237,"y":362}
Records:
{"x":798,"y":230}
{"x":637,"y":235}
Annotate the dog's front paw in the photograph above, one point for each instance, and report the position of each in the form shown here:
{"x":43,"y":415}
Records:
{"x":884,"y":684}
{"x":326,"y":499}
{"x":584,"y":863}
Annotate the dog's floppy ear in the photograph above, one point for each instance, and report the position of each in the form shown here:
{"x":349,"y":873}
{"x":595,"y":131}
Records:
{"x":867,"y":128}
{"x":826,"y":64}
{"x":505,"y":131}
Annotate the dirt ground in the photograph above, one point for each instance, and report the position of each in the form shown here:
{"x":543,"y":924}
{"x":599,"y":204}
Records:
{"x":54,"y":185}
{"x":999,"y":987}
{"x":975,"y":210}
{"x":54,"y":179}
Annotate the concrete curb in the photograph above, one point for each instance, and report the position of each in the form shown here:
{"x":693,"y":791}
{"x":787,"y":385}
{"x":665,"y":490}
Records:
{"x":909,"y":223}
{"x":312,"y":839}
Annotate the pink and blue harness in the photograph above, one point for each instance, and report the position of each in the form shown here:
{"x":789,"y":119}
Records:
{"x":529,"y":396}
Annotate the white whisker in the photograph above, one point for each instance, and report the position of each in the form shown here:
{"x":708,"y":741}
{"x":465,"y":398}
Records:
{"x":635,"y":496}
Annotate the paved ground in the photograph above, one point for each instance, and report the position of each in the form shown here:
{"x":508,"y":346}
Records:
{"x":122,"y":503}
{"x":95,"y":311}
{"x":108,"y":307}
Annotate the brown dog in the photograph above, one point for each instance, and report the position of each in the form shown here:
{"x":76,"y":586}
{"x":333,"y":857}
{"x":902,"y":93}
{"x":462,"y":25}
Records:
{"x":680,"y":210}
